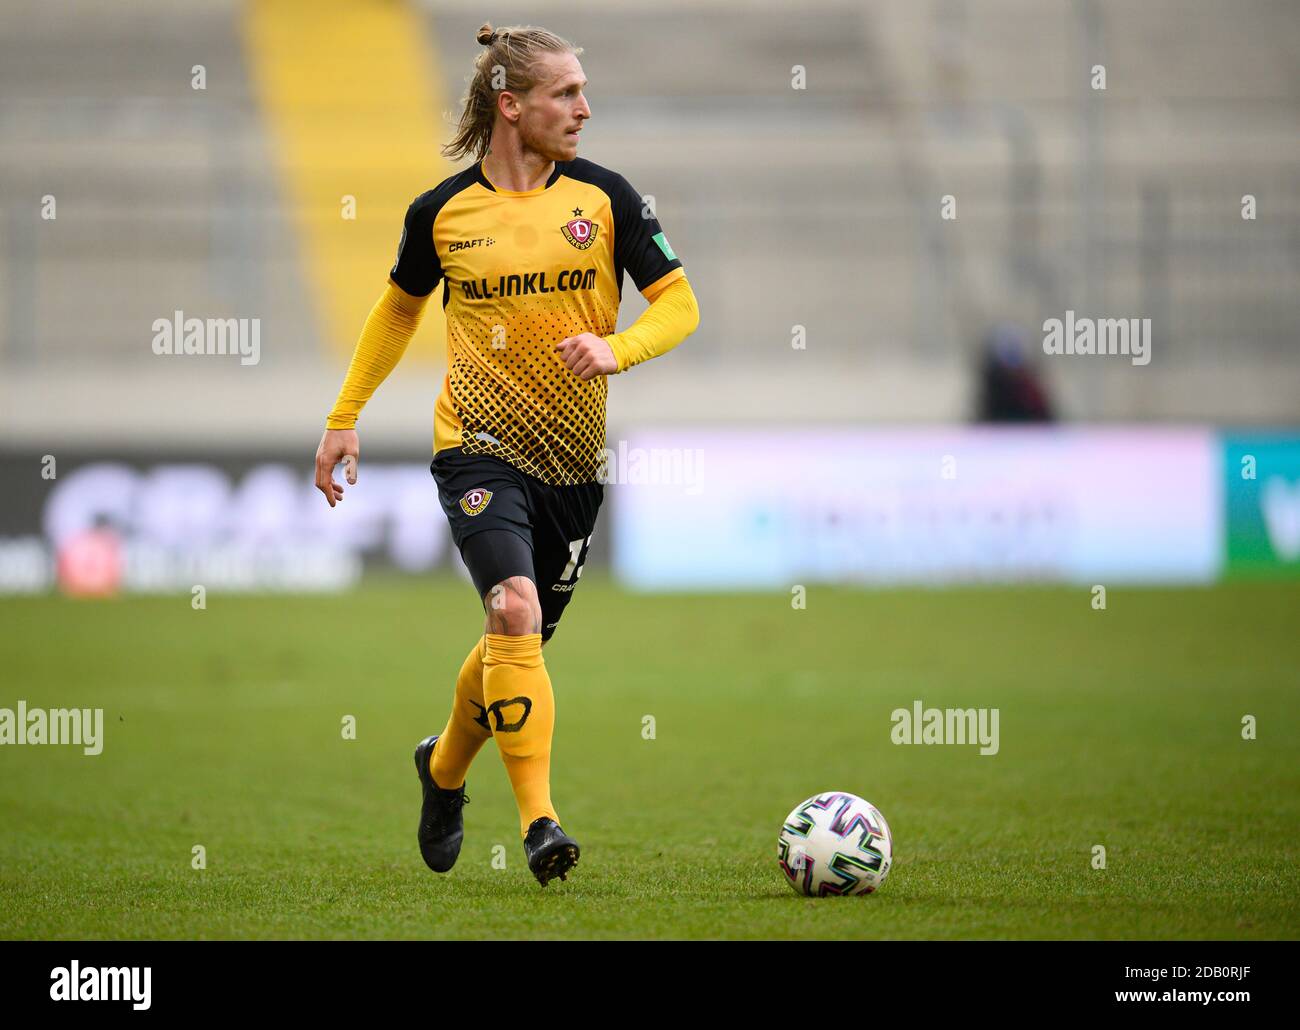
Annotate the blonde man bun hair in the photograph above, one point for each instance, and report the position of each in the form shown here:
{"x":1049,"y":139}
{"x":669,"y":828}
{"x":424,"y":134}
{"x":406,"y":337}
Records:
{"x":509,"y":55}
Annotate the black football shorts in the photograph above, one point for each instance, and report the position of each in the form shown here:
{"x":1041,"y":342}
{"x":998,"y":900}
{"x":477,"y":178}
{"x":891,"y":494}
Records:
{"x":532,"y":528}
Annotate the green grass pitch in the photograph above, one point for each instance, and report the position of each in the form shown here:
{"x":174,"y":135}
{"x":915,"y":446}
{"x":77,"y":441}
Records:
{"x":223,"y":728}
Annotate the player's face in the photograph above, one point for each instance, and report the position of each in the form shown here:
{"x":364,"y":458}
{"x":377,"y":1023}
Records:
{"x":553,"y":111}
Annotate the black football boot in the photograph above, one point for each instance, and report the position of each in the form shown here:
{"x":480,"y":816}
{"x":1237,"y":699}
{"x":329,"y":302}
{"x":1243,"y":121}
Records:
{"x":441,"y":826}
{"x":550,"y":851}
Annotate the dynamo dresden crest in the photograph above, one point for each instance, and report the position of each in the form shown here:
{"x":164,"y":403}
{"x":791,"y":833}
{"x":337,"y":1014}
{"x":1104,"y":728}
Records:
{"x":581,"y":232}
{"x":475,"y":500}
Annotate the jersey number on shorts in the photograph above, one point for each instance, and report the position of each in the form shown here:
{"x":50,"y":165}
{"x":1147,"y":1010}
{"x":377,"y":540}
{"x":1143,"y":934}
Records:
{"x":577,"y":555}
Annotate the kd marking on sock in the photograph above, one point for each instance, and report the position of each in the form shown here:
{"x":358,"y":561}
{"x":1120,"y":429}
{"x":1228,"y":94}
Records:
{"x":510,"y":727}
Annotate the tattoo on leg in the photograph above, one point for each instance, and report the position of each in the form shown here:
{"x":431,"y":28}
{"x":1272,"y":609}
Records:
{"x":505,"y":603}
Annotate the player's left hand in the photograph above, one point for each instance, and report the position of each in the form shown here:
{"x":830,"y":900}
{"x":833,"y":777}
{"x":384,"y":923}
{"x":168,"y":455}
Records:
{"x":587,"y":356}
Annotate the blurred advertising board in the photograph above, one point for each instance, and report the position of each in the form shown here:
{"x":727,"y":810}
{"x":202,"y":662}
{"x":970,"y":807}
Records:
{"x":100,"y":525}
{"x":1262,"y":485}
{"x":694,"y":509}
{"x":924,"y":506}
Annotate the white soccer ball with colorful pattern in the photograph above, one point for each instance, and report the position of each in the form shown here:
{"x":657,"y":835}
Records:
{"x":835,"y":843}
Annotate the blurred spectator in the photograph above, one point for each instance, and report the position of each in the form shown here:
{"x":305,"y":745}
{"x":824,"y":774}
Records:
{"x":1010,"y":390}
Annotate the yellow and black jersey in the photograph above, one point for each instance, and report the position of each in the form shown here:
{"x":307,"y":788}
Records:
{"x":522,"y":272}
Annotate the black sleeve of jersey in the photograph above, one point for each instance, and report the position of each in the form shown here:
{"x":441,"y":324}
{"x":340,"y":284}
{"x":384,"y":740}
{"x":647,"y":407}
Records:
{"x":418,"y":270}
{"x":639,"y":243}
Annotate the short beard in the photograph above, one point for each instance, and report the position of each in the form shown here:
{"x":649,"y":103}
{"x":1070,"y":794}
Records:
{"x":535,"y":144}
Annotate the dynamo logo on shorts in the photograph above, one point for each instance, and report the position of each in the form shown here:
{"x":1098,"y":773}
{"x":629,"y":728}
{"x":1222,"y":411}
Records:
{"x":475,"y":500}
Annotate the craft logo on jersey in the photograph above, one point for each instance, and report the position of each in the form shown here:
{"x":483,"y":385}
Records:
{"x":475,"y":500}
{"x":581,"y":232}
{"x":455,"y":245}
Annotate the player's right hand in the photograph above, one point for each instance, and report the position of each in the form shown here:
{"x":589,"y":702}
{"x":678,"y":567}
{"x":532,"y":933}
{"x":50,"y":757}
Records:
{"x":335,"y":446}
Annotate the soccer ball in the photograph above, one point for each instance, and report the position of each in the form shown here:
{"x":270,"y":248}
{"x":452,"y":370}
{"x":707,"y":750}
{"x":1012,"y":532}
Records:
{"x":835,"y":843}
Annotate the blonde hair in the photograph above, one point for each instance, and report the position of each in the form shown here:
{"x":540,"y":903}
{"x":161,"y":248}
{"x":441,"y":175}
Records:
{"x":512,"y":55}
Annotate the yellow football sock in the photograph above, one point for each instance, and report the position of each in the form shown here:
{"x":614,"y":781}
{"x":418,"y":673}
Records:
{"x":521,"y":715}
{"x":466,"y":730}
